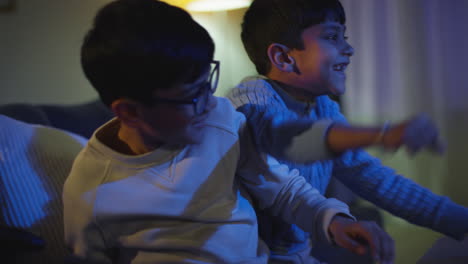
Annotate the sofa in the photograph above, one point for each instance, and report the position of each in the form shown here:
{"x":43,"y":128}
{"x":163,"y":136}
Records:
{"x":38,"y":143}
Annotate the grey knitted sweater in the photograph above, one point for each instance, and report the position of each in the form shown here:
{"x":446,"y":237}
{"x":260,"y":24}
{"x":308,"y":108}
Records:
{"x":266,"y":105}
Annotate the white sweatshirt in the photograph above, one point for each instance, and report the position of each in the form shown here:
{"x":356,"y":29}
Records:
{"x":191,"y":205}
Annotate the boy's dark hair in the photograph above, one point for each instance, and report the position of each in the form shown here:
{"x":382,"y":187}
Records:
{"x":138,"y":46}
{"x":282,"y":21}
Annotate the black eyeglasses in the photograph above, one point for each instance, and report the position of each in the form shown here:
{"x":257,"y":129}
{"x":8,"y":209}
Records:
{"x":200,"y":100}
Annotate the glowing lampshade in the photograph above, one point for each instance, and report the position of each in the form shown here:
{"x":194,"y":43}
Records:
{"x":209,"y":5}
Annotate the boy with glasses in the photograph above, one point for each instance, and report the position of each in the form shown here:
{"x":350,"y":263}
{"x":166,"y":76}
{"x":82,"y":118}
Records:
{"x":173,"y":177}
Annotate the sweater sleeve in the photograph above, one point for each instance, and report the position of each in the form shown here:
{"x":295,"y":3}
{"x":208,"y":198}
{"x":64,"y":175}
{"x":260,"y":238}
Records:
{"x":82,"y":233}
{"x":400,"y":196}
{"x":283,"y":134}
{"x":287,"y":194}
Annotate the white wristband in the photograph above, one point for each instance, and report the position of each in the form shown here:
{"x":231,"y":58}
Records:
{"x":383,"y":131}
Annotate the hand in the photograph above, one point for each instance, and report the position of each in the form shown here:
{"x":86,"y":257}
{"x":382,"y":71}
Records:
{"x":416,"y":134}
{"x":357,"y":236}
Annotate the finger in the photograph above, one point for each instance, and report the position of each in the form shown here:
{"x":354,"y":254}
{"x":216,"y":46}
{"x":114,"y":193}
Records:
{"x":432,"y":139}
{"x":372,"y":234}
{"x":369,"y":232}
{"x":347,"y":242}
{"x":428,"y":139}
{"x":423,"y":119}
{"x":430,"y":136}
{"x":424,"y":137}
{"x":388,"y":248}
{"x":420,"y":132}
{"x":413,"y":140}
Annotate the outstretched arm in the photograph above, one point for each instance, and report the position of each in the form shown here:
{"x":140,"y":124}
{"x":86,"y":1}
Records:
{"x":414,"y":134}
{"x":289,"y":135}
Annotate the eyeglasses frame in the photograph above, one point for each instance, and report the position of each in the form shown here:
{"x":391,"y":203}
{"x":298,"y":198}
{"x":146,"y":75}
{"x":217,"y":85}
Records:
{"x":208,"y":84}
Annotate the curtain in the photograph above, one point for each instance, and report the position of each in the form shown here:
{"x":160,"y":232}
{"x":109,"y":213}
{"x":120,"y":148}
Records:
{"x":410,"y":58}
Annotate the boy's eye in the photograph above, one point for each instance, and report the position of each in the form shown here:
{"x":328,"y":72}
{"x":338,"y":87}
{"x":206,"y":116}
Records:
{"x":332,"y":37}
{"x":336,"y":37}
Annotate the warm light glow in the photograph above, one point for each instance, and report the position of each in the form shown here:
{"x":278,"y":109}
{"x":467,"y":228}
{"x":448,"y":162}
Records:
{"x":178,"y":3}
{"x":209,"y":5}
{"x":217,"y":5}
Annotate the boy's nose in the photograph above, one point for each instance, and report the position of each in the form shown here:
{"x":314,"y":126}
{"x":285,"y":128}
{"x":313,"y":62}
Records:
{"x":348,"y":50}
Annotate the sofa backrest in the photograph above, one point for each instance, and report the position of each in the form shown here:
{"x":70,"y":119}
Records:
{"x":81,"y":119}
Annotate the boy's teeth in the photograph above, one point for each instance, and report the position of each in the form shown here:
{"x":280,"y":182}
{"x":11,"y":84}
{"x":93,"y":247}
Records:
{"x":339,"y":67}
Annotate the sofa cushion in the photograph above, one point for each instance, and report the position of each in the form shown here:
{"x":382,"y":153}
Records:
{"x":81,"y":119}
{"x":25,"y":112}
{"x":34,"y":163}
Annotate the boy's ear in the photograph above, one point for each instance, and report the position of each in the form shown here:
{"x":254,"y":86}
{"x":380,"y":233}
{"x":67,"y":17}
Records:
{"x":280,"y":58}
{"x":128,"y":111}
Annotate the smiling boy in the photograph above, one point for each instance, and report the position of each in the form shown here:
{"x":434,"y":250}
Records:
{"x":300,"y":50}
